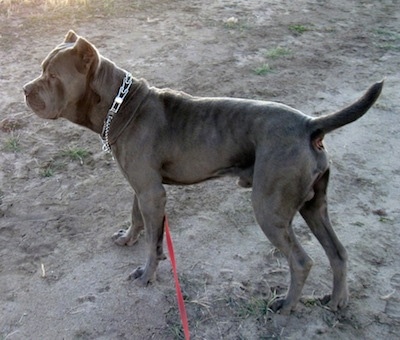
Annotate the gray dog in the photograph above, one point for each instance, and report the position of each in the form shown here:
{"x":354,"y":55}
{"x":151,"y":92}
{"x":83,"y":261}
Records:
{"x":161,"y":136}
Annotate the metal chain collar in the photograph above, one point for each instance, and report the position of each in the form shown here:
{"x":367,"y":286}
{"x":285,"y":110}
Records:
{"x":123,"y":91}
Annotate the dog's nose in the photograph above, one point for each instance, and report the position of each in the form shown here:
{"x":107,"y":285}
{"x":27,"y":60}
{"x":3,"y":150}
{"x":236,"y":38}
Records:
{"x":27,"y":89}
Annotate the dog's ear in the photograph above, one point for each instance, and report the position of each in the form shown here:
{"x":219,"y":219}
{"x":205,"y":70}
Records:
{"x":88,"y":57}
{"x":71,"y":37}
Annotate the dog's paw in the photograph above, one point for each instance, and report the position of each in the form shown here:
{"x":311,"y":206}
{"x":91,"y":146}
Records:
{"x":123,"y":237}
{"x":139,"y":277}
{"x":280,"y":306}
{"x":337,"y":303}
{"x":138,"y":272}
{"x":161,"y":257}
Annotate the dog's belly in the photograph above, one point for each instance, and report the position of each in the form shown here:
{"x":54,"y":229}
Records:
{"x":187,"y":180}
{"x":193,"y":172}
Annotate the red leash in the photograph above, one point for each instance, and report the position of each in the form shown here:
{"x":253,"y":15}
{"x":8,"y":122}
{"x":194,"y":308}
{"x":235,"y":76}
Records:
{"x":181,"y":303}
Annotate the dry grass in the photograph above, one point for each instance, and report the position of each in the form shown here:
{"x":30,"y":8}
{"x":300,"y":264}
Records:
{"x":50,"y":3}
{"x":9,"y":8}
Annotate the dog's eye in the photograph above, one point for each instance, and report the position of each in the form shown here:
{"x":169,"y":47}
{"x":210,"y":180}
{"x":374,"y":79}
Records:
{"x":51,"y":75}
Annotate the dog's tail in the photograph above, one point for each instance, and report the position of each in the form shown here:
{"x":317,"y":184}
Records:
{"x":324,"y":124}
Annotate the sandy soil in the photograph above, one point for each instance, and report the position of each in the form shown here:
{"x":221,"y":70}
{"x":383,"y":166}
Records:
{"x":61,"y":197}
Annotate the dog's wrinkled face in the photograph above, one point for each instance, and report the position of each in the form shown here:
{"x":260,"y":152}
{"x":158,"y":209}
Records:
{"x":63,"y":84}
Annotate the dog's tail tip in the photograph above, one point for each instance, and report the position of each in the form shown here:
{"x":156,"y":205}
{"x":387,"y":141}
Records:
{"x":330,"y":122}
{"x":377,"y":87}
{"x":374,"y":91}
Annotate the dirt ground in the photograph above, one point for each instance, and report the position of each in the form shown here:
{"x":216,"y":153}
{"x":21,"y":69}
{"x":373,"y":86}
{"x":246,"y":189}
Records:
{"x":61,"y":197}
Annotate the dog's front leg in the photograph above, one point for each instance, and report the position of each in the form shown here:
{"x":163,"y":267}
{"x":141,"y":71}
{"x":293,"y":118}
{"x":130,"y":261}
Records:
{"x":131,"y":235}
{"x":152,"y":206}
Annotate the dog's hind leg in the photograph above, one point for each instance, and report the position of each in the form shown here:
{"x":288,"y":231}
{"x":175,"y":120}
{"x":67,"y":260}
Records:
{"x":274,"y":208}
{"x":131,"y":235}
{"x":315,"y":213}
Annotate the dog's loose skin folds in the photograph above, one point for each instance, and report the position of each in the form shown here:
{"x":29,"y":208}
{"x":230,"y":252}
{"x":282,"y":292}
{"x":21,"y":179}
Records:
{"x":174,"y":138}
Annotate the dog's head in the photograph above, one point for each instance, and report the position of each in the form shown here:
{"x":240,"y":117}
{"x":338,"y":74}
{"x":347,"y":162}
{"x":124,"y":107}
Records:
{"x":62,"y":90}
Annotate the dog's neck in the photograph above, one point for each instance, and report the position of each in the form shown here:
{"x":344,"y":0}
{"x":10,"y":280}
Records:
{"x":118,"y":101}
{"x":102,"y":89}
